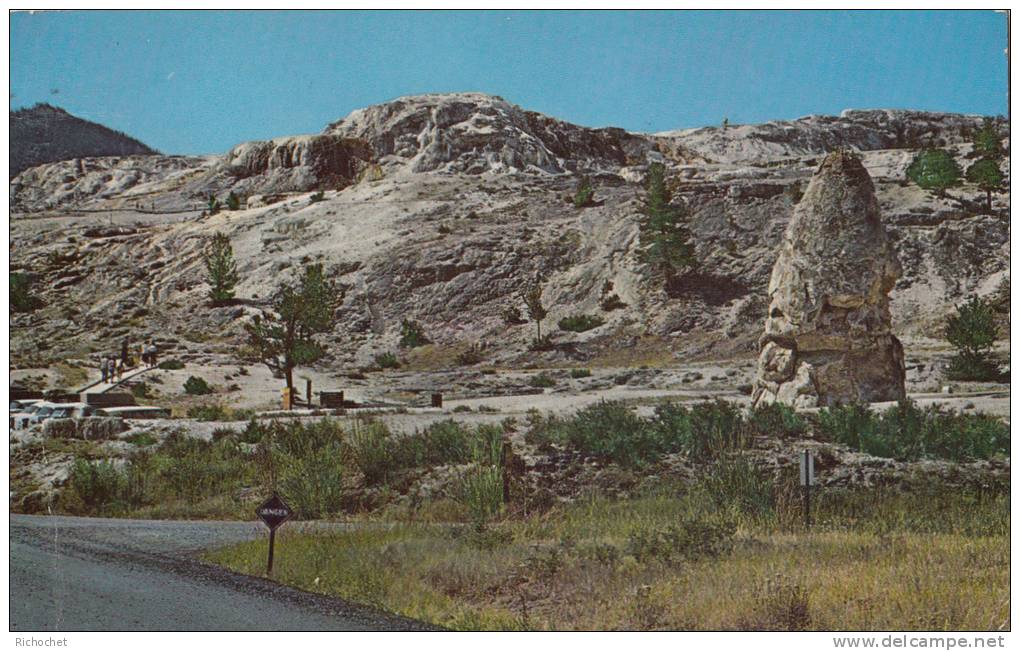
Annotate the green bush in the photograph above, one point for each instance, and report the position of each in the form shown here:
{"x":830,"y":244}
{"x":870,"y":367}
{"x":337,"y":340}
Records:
{"x":578,"y":373}
{"x":140,"y":390}
{"x":412,"y":334}
{"x":481,"y":491}
{"x":196,"y":386}
{"x":192,"y":469}
{"x":608,"y":430}
{"x":542,"y":381}
{"x":308,"y":459}
{"x":254,"y":432}
{"x":692,"y":539}
{"x":704,"y":431}
{"x":141,"y":439}
{"x":317,"y":197}
{"x":972,"y":332}
{"x":776,"y":420}
{"x":378,"y":454}
{"x":170,"y":365}
{"x":387,"y":360}
{"x":907,"y":432}
{"x":371,"y":450}
{"x":612,"y":431}
{"x":21,"y":296}
{"x":935,"y":170}
{"x":208,"y":412}
{"x":96,"y":484}
{"x":734,"y":485}
{"x":219,"y":413}
{"x":584,"y":194}
{"x":470,"y":357}
{"x":580,"y":322}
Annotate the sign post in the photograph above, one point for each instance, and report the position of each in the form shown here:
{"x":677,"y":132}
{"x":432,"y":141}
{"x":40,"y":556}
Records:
{"x":807,"y":478}
{"x":273,"y":512}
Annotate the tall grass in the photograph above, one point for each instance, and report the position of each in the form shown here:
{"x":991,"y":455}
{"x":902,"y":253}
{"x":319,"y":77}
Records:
{"x":876,"y":561}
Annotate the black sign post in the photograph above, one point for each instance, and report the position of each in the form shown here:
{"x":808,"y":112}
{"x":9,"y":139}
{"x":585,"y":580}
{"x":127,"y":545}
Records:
{"x":273,"y":512}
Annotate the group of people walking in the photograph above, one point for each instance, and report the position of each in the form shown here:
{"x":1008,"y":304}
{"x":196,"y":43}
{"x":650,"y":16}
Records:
{"x":112,"y":368}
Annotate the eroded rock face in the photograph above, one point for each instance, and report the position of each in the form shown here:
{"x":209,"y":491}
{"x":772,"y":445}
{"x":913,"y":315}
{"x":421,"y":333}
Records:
{"x":297,"y":163}
{"x":827,"y":336}
{"x":473,"y":133}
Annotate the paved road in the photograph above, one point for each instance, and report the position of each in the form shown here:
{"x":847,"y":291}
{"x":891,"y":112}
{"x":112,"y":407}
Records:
{"x":93,"y":574}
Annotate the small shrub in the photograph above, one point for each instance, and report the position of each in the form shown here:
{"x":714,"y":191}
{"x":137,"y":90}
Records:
{"x":542,"y":381}
{"x":462,"y":409}
{"x":541,"y":343}
{"x":470,"y":357}
{"x":907,"y":432}
{"x":585,"y":193}
{"x":387,"y":360}
{"x":781,"y":605}
{"x":141,"y":439}
{"x":412,"y":334}
{"x":609,"y":300}
{"x":691,"y":539}
{"x":580,"y":322}
{"x":254,"y":432}
{"x":481,"y":491}
{"x":512,"y":316}
{"x":608,"y":430}
{"x":317,"y":197}
{"x":196,"y":386}
{"x":369,"y":445}
{"x":233,"y":201}
{"x":578,"y":373}
{"x":140,"y":390}
{"x":734,"y":485}
{"x":777,"y":420}
{"x":170,"y":365}
{"x":96,"y":484}
{"x":704,"y":431}
{"x":308,"y":462}
{"x":21,"y":296}
{"x":209,"y":412}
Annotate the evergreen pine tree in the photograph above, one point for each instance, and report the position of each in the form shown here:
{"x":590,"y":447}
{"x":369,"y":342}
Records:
{"x":665,"y":241}
{"x":221,"y":271}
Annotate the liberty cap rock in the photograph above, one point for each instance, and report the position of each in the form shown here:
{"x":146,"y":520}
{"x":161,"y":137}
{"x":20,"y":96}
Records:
{"x":827,"y":336}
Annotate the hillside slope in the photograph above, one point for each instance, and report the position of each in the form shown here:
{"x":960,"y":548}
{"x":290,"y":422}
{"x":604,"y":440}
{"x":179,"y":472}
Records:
{"x":45,"y":134}
{"x":440,"y":208}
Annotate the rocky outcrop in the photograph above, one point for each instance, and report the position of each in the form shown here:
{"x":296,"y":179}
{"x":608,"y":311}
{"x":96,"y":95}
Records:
{"x":44,"y":133}
{"x":827,"y":337}
{"x":860,"y":130}
{"x":473,"y":133}
{"x":297,"y":163}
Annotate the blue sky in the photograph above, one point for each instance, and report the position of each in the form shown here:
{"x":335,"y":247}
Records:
{"x":201,"y":82}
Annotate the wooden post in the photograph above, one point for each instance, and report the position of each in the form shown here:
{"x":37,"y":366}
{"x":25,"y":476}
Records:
{"x":308,"y":392}
{"x":437,"y":400}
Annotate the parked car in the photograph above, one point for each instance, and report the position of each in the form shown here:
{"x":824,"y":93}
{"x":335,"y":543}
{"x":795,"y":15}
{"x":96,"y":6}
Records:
{"x":72,"y":410}
{"x":136,"y":412}
{"x":22,"y":405}
{"x":33,"y":414}
{"x":19,"y":407}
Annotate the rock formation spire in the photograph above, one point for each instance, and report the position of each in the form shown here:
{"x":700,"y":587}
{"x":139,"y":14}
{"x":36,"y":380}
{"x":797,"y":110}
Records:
{"x":827,"y":335}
